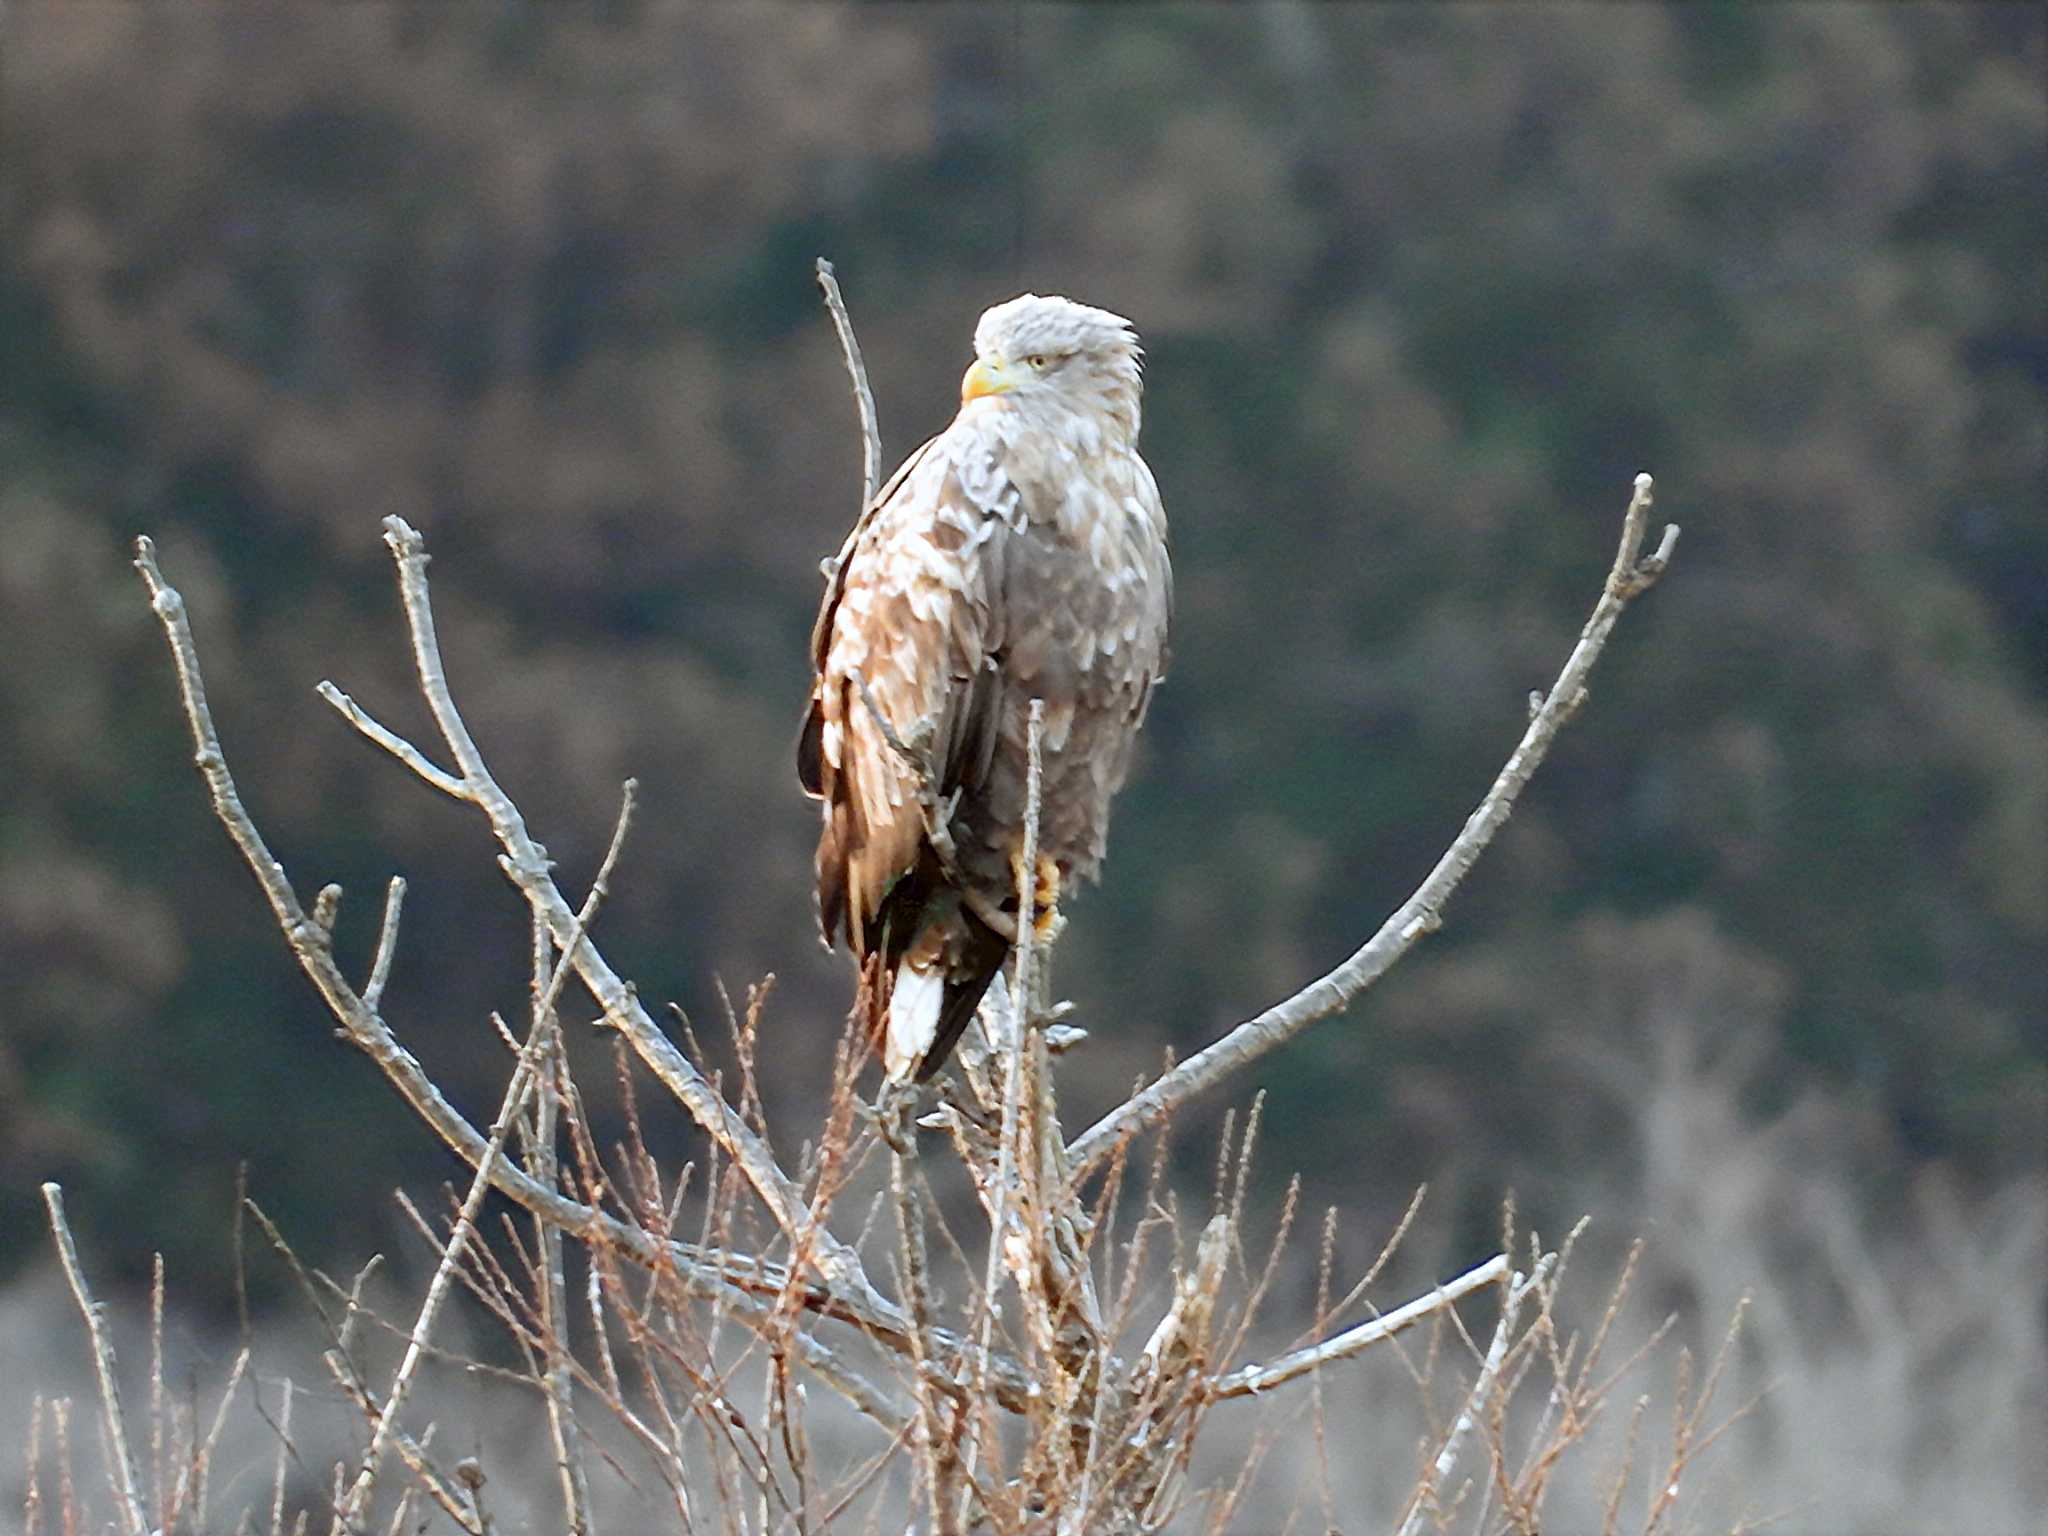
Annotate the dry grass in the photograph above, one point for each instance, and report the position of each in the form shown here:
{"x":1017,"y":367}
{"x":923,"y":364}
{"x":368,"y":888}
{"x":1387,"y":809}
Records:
{"x":1921,"y":1419}
{"x":695,"y":1416}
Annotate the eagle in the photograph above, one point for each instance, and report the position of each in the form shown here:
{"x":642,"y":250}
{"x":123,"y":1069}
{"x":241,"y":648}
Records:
{"x":1018,"y":556}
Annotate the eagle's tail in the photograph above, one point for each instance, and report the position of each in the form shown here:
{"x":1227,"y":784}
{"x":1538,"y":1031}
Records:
{"x":982,"y":956}
{"x":922,"y":993}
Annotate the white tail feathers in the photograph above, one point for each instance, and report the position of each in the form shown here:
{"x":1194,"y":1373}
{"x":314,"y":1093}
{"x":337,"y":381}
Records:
{"x":913,"y":1019}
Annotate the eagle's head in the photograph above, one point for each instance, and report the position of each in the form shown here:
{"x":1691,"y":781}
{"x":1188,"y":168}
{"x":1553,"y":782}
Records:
{"x":1053,"y":354}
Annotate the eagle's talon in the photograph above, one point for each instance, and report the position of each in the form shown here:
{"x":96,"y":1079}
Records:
{"x":892,"y":1112}
{"x":1046,"y":921}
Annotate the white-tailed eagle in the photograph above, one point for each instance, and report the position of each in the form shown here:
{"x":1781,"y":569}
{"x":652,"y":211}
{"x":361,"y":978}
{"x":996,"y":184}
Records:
{"x":1019,"y":555}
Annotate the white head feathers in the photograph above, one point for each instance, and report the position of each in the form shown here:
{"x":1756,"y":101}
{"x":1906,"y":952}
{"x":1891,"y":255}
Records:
{"x":1072,"y":356}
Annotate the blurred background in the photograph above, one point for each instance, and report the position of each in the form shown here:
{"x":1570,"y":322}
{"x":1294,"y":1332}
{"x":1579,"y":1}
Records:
{"x":1757,"y":969}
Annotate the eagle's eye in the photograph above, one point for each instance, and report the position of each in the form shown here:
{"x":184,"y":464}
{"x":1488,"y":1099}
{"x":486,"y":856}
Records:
{"x":1037,"y":360}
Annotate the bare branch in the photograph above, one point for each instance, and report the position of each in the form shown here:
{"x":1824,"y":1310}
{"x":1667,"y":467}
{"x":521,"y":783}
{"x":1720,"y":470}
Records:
{"x":357,"y":1504}
{"x":934,"y":1448}
{"x":542,"y":1164}
{"x":1446,"y":1462}
{"x":122,"y":1473}
{"x":387,"y":943}
{"x":392,"y":742}
{"x":455,"y":1505}
{"x":1250,"y":1380}
{"x":1003,"y":1196}
{"x":1005,"y":1199}
{"x":527,"y":865}
{"x":308,"y":939}
{"x":714,"y":1275}
{"x":863,"y":397}
{"x":1422,"y":912}
{"x":192,"y":1479}
{"x":1182,"y":1332}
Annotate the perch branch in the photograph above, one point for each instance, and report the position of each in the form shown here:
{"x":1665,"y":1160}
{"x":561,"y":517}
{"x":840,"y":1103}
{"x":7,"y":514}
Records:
{"x":1004,"y":1197}
{"x":1422,"y":913}
{"x":123,"y":1474}
{"x":1006,"y":1206}
{"x":857,"y":372}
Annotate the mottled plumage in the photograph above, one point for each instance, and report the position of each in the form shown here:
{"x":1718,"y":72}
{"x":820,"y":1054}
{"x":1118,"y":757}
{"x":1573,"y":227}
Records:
{"x":1019,"y":555}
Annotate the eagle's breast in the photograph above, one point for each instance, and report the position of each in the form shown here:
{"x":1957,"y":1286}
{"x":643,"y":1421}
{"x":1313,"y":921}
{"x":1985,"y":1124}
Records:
{"x":1083,"y":605}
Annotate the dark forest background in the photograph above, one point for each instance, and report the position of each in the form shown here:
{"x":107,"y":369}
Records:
{"x":1421,"y":288}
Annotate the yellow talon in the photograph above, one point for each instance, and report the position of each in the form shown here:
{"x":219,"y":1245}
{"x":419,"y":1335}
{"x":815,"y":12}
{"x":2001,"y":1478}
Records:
{"x":1045,"y":898}
{"x":1045,"y":893}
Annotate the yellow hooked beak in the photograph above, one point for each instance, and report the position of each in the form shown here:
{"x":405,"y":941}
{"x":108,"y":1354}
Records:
{"x":987,"y":376}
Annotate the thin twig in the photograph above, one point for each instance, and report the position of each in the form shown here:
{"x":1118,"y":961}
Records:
{"x":562,"y":1422}
{"x":856,"y":370}
{"x":32,"y":1498}
{"x":286,"y":1451}
{"x":156,"y":1383}
{"x":387,"y":943}
{"x":356,"y":1505}
{"x":542,"y":1164}
{"x":1421,"y":913}
{"x":392,"y":742}
{"x":1250,"y":1380}
{"x":1518,"y":1288}
{"x":193,"y":1478}
{"x":122,"y":1473}
{"x":933,"y":1448}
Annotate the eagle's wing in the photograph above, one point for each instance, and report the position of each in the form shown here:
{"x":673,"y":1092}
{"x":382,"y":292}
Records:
{"x":835,"y":575}
{"x":914,"y":610}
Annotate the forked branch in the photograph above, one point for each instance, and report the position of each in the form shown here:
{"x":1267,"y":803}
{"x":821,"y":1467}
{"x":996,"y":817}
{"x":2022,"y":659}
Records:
{"x":527,"y":865}
{"x":1422,"y":913}
{"x":733,"y":1280}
